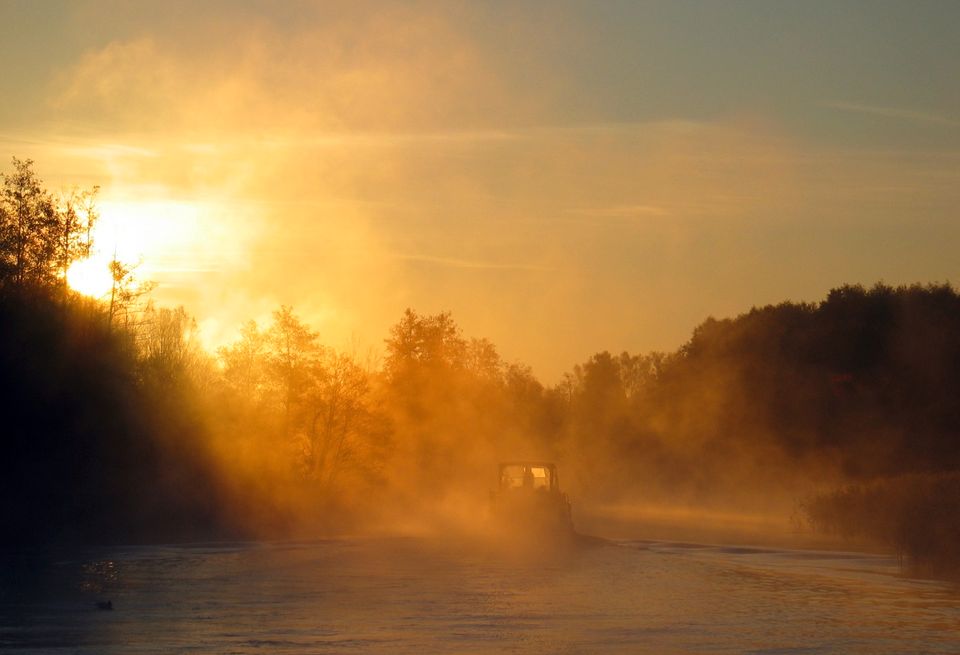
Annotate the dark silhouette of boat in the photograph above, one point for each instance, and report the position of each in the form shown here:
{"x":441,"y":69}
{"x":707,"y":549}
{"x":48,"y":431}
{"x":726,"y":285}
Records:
{"x":529,"y":499}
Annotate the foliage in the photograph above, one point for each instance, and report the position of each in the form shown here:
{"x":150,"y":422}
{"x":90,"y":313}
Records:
{"x":277,"y":426}
{"x":167,"y":344}
{"x":40,"y":236}
{"x":306,"y":395}
{"x":917,"y":515}
{"x":861,"y":385}
{"x":456,"y":408}
{"x":92,"y":453}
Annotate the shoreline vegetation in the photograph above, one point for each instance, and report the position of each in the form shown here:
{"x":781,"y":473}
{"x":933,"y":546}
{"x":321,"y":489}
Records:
{"x":916,"y":515}
{"x":119,"y":427}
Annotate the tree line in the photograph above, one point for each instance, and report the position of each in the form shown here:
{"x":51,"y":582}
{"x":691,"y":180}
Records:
{"x":130,"y":429}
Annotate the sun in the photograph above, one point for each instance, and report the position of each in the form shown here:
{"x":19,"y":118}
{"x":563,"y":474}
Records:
{"x":91,"y":277}
{"x":149,"y":235}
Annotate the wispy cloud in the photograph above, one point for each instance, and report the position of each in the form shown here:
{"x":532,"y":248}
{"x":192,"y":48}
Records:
{"x":452,"y":262}
{"x":319,"y":138}
{"x":900,"y":113}
{"x":89,"y":139}
{"x":622,"y":211}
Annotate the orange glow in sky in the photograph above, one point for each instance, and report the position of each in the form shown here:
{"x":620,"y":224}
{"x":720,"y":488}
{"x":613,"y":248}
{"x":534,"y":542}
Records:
{"x":140,"y":234}
{"x":91,"y":277}
{"x":563,"y":180}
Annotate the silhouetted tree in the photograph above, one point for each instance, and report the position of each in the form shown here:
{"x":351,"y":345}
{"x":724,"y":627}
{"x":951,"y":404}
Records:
{"x":340,"y":412}
{"x":29,"y":231}
{"x":166,"y":340}
{"x":420,"y":345}
{"x":77,"y":214}
{"x":40,"y":237}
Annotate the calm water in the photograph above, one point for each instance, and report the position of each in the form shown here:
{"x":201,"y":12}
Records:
{"x":421,"y":596}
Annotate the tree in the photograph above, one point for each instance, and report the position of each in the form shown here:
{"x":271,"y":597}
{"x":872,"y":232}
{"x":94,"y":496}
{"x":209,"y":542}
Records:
{"x":125,"y":291}
{"x":40,"y":237}
{"x":77,"y":215}
{"x":340,"y":414}
{"x":244,"y":362}
{"x":418,"y":343}
{"x":167,"y":343}
{"x":317,"y":399}
{"x":292,"y":347}
{"x":483,"y":361}
{"x":29,"y":228}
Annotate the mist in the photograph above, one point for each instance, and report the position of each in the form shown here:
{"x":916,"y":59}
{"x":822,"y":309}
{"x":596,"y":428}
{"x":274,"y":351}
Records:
{"x":398,"y":156}
{"x":443,"y":326}
{"x":745,"y":433}
{"x":796,"y":416}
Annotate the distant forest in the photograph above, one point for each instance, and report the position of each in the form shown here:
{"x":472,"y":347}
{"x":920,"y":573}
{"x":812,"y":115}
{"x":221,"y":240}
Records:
{"x":117,"y":426}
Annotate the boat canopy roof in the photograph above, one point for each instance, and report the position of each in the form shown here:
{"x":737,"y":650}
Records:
{"x":529,"y":474}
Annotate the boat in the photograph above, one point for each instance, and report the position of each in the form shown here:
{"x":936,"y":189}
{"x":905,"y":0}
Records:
{"x":529,"y":500}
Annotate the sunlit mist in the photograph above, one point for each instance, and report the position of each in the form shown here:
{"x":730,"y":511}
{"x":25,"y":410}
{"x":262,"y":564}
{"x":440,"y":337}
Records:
{"x":155,"y":238}
{"x":400,"y":156}
{"x":150,"y":232}
{"x":471,"y":326}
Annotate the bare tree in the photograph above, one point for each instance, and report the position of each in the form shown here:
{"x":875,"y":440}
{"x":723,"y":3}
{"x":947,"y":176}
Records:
{"x":76,"y":216}
{"x":126,"y":291}
{"x":167,"y":342}
{"x":338,"y":400}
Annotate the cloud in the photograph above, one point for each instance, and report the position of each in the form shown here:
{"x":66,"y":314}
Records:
{"x":397,"y":70}
{"x":470,"y":264}
{"x":623,"y":211}
{"x":361,"y":163}
{"x":910,"y":115}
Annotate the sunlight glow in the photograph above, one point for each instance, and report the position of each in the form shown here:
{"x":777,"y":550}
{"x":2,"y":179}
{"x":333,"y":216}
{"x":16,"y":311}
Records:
{"x":142,"y":234}
{"x":147,"y":231}
{"x":91,"y":277}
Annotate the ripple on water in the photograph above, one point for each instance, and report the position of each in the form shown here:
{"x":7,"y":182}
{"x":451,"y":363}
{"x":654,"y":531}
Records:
{"x":417,"y":596}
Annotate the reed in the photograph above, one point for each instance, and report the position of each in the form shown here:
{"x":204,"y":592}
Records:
{"x":917,"y":515}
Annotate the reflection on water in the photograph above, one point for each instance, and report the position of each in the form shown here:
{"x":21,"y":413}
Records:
{"x":416,"y":596}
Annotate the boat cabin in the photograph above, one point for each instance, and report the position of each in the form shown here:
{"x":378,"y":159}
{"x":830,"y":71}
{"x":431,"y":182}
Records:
{"x":529,"y":475}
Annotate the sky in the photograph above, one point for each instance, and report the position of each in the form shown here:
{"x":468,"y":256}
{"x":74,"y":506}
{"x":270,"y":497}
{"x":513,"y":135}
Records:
{"x":564,"y":177}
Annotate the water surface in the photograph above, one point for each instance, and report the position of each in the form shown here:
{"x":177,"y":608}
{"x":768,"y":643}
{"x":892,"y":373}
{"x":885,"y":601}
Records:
{"x":406,"y":595}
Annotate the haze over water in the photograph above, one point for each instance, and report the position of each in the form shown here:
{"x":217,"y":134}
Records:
{"x":279,"y":278}
{"x":414,"y":595}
